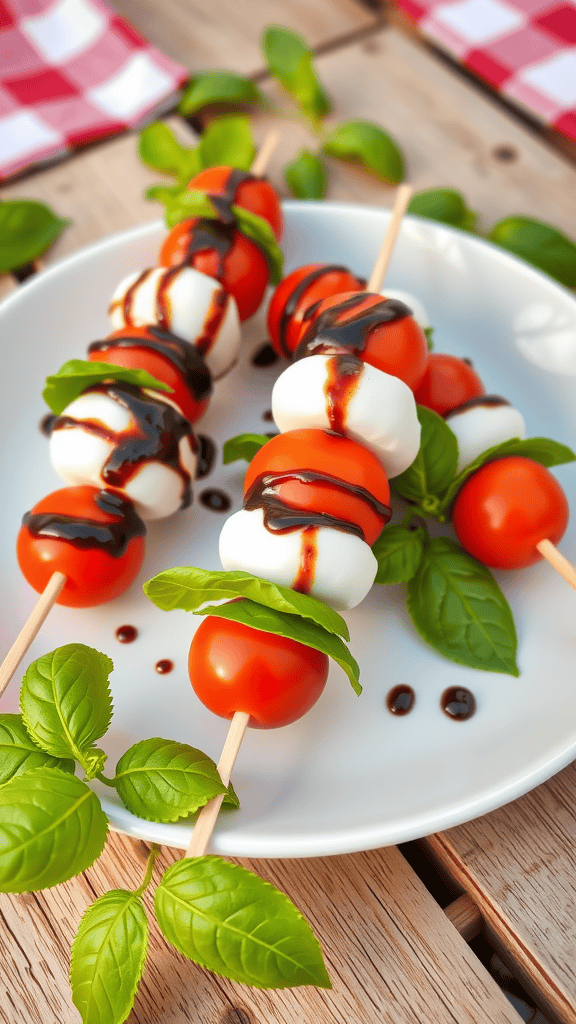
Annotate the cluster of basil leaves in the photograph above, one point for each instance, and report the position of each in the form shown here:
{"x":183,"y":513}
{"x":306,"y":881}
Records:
{"x":454,"y":601}
{"x":52,"y":827}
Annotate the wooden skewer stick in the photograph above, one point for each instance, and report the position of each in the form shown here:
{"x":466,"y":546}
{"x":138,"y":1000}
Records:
{"x":381,"y":266}
{"x":550,"y":552}
{"x":263,"y":155}
{"x":31,"y":628}
{"x":207,"y":818}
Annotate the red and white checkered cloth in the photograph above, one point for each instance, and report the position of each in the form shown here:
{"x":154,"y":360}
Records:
{"x":524,"y":48}
{"x":72,"y":72}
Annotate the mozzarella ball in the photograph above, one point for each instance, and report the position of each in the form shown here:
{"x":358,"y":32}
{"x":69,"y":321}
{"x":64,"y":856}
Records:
{"x":185,"y":302}
{"x":343,"y":394}
{"x":419,"y":313}
{"x":343,"y":569}
{"x":483,"y":423}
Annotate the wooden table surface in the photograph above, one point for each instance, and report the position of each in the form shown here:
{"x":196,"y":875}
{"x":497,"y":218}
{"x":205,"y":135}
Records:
{"x":394,"y":955}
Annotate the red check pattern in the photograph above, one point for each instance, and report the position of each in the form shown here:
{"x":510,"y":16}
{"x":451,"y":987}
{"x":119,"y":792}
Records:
{"x":71,"y":72}
{"x":524,"y":48}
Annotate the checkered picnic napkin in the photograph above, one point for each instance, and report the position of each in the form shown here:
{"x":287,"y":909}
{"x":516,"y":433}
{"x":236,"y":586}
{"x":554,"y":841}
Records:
{"x":72,"y":72}
{"x":524,"y":48}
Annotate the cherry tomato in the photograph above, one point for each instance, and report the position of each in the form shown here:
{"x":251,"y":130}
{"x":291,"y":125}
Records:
{"x":349,"y":463}
{"x":230,"y":257}
{"x":234,"y":667}
{"x":398,"y":347}
{"x":296,"y":293}
{"x":158,"y":365}
{"x":505,"y":508}
{"x":447,"y":383}
{"x":93,"y":575}
{"x":256,"y":194}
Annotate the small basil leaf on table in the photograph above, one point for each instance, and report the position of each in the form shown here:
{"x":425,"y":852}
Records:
{"x":65,"y":700}
{"x":19,"y":753}
{"x":234,"y":923}
{"x":540,"y":244}
{"x":243,"y":446}
{"x":52,"y":827}
{"x":227,"y":140}
{"x":217,"y":87}
{"x":162,"y":780}
{"x":78,"y":374}
{"x":445,"y":205}
{"x":27,"y":230}
{"x":398,"y":551}
{"x":371,"y":145}
{"x":306,"y":176}
{"x":161,"y":150}
{"x":259,"y":231}
{"x":434,"y":467}
{"x":291,"y":61}
{"x":108,"y":957}
{"x":458,"y":608}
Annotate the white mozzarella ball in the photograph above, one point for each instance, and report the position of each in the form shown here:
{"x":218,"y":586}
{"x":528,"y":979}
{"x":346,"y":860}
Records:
{"x":418,"y":311}
{"x":96,"y":425}
{"x":345,"y":566}
{"x":380,"y":413}
{"x":481,"y":424}
{"x":186,"y":302}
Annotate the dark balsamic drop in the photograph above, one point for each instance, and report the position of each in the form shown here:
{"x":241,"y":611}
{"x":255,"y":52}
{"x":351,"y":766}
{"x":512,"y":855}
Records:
{"x":267,"y":416}
{"x":164,"y":666}
{"x":401,"y":700}
{"x":206,"y":455}
{"x":126,"y":634}
{"x":265,"y":356}
{"x":458,"y":703}
{"x":215,"y":500}
{"x":46,"y":424}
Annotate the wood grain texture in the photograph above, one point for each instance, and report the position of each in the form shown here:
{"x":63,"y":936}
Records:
{"x":391,"y":953}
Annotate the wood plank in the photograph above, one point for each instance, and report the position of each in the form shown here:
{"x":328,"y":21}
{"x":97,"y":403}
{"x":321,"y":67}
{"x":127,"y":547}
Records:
{"x":517,"y":864}
{"x":391,"y":953}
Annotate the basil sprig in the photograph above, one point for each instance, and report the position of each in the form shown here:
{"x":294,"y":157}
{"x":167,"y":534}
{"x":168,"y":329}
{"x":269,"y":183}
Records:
{"x":27,"y":230}
{"x":19,"y":753}
{"x":290,"y":61}
{"x":76,"y":375}
{"x":243,"y":446}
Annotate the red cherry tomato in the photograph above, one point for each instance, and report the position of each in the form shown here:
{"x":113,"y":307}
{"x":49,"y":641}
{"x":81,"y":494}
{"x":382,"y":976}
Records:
{"x":93,"y":575}
{"x":447,"y":383}
{"x":241,"y":267}
{"x":301,"y":289}
{"x":398,"y":347}
{"x":327,"y":454}
{"x":158,"y":365}
{"x":234,"y":667}
{"x":505,"y":508}
{"x":256,"y":195}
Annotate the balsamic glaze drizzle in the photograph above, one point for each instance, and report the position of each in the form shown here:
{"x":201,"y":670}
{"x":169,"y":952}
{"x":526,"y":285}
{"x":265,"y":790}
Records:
{"x":206,"y":455}
{"x":265,"y":356}
{"x":295,"y":297}
{"x":91,"y":533}
{"x":182,"y":354}
{"x":326,"y":335}
{"x":486,"y":401}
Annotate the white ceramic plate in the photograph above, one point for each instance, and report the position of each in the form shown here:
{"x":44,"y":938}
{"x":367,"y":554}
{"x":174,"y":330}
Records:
{"x":349,"y":776}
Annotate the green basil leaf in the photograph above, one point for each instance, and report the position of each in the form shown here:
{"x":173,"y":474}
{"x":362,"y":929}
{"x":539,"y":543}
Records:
{"x":243,"y":446}
{"x":540,"y":449}
{"x":165,"y":194}
{"x":65,"y":700}
{"x":228,"y":140}
{"x":434,"y":467}
{"x":443,"y":204}
{"x":291,"y":61}
{"x":52,"y":827}
{"x":306,"y":176}
{"x":162,"y":780}
{"x":27,"y":230}
{"x":371,"y":145}
{"x":231,"y":798}
{"x":191,"y":202}
{"x":200,"y":590}
{"x":217,"y":87}
{"x":429,"y":332}
{"x":19,"y":753}
{"x":399,"y":552}
{"x":160,"y":149}
{"x":540,"y":244}
{"x":259,"y":230}
{"x":108,"y":957}
{"x":76,"y":375}
{"x":458,"y":608}
{"x":234,"y":923}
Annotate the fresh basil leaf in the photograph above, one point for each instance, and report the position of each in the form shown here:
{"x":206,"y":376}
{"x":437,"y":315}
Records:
{"x":243,"y":446}
{"x":162,"y":780}
{"x":306,"y":176}
{"x":217,"y":87}
{"x":200,"y":590}
{"x":458,"y":608}
{"x":52,"y":827}
{"x":434,"y":467}
{"x":228,"y":140}
{"x":76,"y":375}
{"x":291,"y":61}
{"x":165,"y":194}
{"x":399,"y":552}
{"x":445,"y":205}
{"x":371,"y":145}
{"x":234,"y":923}
{"x":429,"y":332}
{"x":160,"y":149}
{"x":27,"y":230}
{"x":191,"y":202}
{"x":540,"y":449}
{"x":108,"y":957}
{"x":19,"y":753}
{"x":259,"y":230}
{"x":65,"y":701}
{"x":231,"y":798}
{"x":540,"y":244}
